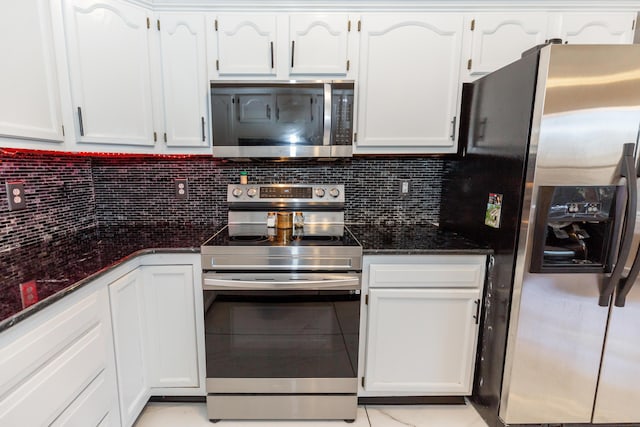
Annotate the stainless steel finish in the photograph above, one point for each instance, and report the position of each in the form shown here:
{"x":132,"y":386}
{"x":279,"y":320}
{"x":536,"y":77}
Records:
{"x":282,"y":281}
{"x":326,"y":138}
{"x":323,"y":150}
{"x":294,"y":407}
{"x":557,"y":329}
{"x":219,"y":260}
{"x":282,"y":385}
{"x":318,"y":192}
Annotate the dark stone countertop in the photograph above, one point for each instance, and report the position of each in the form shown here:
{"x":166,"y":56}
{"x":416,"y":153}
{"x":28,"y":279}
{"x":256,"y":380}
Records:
{"x":411,"y":239}
{"x":62,"y":265}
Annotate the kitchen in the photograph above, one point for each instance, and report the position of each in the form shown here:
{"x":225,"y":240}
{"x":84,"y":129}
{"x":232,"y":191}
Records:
{"x":120,"y":190}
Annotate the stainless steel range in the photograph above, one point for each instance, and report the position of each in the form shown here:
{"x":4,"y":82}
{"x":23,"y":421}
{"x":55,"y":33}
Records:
{"x":281,"y":287}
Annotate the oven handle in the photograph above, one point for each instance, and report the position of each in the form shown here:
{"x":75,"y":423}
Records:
{"x":227,"y":282}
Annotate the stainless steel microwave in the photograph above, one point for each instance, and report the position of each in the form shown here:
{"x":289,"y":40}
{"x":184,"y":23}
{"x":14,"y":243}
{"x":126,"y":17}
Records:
{"x":282,"y":120}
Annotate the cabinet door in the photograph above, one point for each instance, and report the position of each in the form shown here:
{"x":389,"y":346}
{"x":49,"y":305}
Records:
{"x":318,"y":44}
{"x":171,"y":331}
{"x":129,"y":331}
{"x":184,"y":79}
{"x":421,"y":340}
{"x":108,"y":50}
{"x":30,"y":101}
{"x":598,"y":28}
{"x":246,"y":45}
{"x":409,"y":83}
{"x":499,"y":39}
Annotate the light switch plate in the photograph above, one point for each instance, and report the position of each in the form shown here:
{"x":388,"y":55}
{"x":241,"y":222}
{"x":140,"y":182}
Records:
{"x":15,"y":195}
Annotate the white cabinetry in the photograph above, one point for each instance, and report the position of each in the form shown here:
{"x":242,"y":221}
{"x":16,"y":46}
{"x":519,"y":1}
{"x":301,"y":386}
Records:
{"x":598,"y":28}
{"x":185,"y":84}
{"x":108,"y":50}
{"x":421,"y":324}
{"x":269,"y":46}
{"x":499,"y":39}
{"x":129,"y":331}
{"x":30,"y":101}
{"x":408,"y":92}
{"x":58,"y":365}
{"x":245,"y":45}
{"x":137,"y":81}
{"x":170,"y":315}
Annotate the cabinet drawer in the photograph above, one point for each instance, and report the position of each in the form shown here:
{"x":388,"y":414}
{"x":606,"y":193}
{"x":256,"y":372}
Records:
{"x":92,"y":406}
{"x":453,"y":275}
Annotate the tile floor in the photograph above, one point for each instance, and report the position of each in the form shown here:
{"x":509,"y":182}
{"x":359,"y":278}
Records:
{"x":195,"y":415}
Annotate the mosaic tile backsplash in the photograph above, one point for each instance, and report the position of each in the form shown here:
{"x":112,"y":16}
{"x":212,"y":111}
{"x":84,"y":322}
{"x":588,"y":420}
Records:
{"x":67,"y":193}
{"x":59,"y":198}
{"x":137,"y":189}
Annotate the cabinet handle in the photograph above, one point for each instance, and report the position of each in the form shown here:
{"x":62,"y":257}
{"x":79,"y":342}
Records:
{"x":80,"y":121}
{"x":203,"y":136}
{"x":268,"y":112}
{"x":453,"y":129}
{"x":271,"y":54}
{"x":477,"y":315}
{"x":293,"y":47}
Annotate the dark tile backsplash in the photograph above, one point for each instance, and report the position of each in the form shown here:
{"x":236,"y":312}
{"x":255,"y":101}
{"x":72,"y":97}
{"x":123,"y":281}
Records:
{"x":66,"y":193}
{"x":59,"y":197}
{"x":142,"y":189}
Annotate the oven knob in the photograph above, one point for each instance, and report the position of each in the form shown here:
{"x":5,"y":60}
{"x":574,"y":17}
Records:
{"x":237,"y":192}
{"x":320,"y":192}
{"x":334,"y":192}
{"x":252,"y":192}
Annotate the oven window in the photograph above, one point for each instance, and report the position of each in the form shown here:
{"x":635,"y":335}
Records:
{"x":292,"y":334}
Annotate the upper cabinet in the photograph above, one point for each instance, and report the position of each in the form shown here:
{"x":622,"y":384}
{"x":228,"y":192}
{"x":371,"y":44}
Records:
{"x":245,"y":45}
{"x":319,"y":44}
{"x":409,"y":83}
{"x":599,"y":28}
{"x":30,"y":101}
{"x":253,"y":46}
{"x":498,"y":39}
{"x":108,"y":50}
{"x":137,"y":80}
{"x":185,"y":84}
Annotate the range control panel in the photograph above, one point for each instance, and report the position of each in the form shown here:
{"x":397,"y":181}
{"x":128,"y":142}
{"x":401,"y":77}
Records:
{"x":286,"y":193}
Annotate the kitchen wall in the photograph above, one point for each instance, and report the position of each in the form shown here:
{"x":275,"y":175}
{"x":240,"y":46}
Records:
{"x":59,"y":196}
{"x":67,"y":193}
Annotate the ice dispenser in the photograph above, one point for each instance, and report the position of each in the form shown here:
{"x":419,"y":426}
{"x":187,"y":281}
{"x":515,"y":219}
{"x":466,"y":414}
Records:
{"x":574,"y":229}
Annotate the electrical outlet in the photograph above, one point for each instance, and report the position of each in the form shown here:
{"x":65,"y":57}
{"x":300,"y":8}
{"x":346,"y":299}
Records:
{"x":182,"y":189}
{"x":15,"y":195}
{"x":28,"y":293}
{"x":405,"y":188}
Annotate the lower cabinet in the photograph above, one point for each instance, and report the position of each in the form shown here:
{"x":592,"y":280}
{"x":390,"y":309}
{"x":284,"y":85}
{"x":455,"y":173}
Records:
{"x":422,"y":315}
{"x":96,"y":356}
{"x":128,"y":319}
{"x":57,"y":367}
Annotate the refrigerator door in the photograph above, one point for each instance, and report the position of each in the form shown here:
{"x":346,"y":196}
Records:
{"x":586,"y":108}
{"x":619,"y":386}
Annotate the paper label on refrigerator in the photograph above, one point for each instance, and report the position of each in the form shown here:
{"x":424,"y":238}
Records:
{"x":494,"y":210}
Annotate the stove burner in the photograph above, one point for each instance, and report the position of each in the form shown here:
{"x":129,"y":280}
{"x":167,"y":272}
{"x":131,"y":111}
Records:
{"x":256,"y":239}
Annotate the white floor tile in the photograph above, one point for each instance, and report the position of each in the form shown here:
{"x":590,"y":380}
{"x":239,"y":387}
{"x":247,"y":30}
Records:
{"x":424,"y":416}
{"x":195,"y":415}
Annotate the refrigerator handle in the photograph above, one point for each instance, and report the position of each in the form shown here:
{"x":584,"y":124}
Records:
{"x":627,"y":282}
{"x":628,"y":171}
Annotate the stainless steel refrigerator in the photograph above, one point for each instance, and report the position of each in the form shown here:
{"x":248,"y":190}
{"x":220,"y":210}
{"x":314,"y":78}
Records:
{"x":547,"y":177}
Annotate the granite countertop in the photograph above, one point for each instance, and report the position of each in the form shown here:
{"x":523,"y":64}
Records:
{"x":412,"y":239}
{"x":61,"y":265}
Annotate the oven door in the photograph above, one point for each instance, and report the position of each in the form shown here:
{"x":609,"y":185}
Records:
{"x":281,"y":332}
